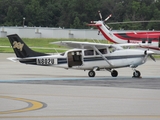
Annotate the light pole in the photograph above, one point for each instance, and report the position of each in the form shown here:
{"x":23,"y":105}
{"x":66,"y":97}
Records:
{"x":23,"y":20}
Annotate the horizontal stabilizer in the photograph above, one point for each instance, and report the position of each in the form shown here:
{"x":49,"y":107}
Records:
{"x":13,"y":59}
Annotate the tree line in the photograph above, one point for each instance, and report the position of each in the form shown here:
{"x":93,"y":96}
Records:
{"x":77,"y":13}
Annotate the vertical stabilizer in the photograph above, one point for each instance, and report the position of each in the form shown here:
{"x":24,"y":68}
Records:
{"x":21,"y":49}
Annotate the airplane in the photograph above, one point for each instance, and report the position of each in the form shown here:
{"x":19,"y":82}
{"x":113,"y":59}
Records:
{"x":147,"y":39}
{"x":83,"y":56}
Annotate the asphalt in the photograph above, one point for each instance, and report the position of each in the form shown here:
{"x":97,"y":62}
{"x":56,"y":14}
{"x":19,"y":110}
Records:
{"x":36,"y":92}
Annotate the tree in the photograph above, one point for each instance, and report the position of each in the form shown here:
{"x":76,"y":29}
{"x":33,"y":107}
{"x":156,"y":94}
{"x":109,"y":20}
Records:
{"x":76,"y":23}
{"x":76,"y":13}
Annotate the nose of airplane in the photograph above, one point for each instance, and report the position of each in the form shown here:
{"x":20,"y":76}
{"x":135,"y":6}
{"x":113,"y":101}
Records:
{"x":147,"y":52}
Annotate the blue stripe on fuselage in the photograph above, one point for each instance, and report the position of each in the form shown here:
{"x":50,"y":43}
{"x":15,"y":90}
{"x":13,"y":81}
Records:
{"x":87,"y":59}
{"x":62,"y":60}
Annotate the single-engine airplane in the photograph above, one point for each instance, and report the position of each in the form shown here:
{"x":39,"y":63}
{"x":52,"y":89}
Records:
{"x":147,"y":39}
{"x":84,"y":56}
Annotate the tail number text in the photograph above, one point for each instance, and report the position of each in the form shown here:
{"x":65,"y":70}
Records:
{"x":45,"y":61}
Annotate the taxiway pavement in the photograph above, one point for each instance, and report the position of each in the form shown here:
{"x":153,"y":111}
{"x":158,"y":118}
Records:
{"x":38,"y":93}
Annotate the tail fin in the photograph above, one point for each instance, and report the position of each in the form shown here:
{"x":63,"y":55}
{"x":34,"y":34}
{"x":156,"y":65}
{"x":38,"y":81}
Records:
{"x":21,"y":49}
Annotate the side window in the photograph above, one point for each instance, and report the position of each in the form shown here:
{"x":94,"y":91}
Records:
{"x":88,"y":52}
{"x":103,"y":51}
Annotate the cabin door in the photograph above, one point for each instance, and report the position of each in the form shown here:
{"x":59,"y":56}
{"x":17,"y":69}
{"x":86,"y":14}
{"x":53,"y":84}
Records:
{"x":74,"y":58}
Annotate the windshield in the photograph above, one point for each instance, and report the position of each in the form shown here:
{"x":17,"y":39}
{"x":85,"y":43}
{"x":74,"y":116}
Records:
{"x":62,"y":54}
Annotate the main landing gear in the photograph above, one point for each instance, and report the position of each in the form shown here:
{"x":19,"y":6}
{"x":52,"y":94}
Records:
{"x":114,"y":73}
{"x":92,"y":73}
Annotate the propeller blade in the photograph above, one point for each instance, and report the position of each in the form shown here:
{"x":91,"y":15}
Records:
{"x":148,"y":53}
{"x":145,"y":58}
{"x":108,"y":17}
{"x":100,"y":14}
{"x":151,"y":56}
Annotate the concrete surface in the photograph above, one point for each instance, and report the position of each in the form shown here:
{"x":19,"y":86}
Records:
{"x":38,"y":93}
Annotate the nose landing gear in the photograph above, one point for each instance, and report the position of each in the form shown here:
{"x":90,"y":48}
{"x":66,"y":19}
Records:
{"x":136,"y":74}
{"x":91,"y":73}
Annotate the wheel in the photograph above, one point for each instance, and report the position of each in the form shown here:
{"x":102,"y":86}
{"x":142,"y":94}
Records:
{"x":114,"y":73}
{"x":91,"y":73}
{"x":136,"y":74}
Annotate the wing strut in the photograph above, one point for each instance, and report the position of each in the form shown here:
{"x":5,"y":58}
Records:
{"x":102,"y":55}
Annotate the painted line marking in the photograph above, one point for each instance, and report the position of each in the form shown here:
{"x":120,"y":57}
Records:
{"x":32,"y":105}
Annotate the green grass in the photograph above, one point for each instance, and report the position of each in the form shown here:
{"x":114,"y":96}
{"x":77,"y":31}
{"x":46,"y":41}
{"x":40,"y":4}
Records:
{"x":40,"y":42}
{"x":6,"y":50}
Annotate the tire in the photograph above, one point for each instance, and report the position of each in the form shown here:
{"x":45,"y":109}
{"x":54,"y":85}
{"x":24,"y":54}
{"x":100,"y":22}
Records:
{"x":136,"y":74}
{"x":91,"y":73}
{"x":114,"y":73}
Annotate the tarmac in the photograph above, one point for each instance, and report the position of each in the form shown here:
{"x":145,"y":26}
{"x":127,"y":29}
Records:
{"x":30,"y":92}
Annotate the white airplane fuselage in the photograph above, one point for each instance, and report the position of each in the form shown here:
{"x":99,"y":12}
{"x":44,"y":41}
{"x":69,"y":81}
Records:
{"x":118,"y":59}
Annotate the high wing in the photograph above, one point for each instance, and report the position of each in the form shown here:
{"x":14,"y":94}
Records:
{"x":89,"y":45}
{"x":95,"y":46}
{"x":85,"y":45}
{"x":81,"y":45}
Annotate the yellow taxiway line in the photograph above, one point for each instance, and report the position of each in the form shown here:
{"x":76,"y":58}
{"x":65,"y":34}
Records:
{"x":33,"y":105}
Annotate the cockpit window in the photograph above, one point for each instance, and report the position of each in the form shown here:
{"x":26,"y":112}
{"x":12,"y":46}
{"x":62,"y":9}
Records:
{"x":88,"y":52}
{"x":112,"y":49}
{"x":62,"y":54}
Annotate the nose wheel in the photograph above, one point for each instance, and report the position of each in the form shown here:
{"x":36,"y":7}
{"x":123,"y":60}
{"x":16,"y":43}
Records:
{"x":91,"y":73}
{"x":136,"y":74}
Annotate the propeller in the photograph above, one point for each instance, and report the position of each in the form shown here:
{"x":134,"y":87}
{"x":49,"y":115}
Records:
{"x":101,"y":18}
{"x":151,"y":56}
{"x":143,"y":21}
{"x":149,"y":53}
